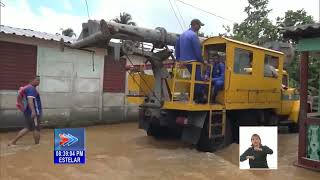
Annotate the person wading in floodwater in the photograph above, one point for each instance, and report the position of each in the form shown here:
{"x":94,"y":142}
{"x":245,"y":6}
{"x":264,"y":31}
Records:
{"x":32,"y":112}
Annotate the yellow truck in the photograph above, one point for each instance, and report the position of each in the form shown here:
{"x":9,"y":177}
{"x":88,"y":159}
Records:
{"x":250,"y":96}
{"x":255,"y":89}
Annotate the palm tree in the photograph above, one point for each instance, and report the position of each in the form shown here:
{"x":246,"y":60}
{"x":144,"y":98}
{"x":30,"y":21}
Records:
{"x":124,"y":18}
{"x":68,"y":32}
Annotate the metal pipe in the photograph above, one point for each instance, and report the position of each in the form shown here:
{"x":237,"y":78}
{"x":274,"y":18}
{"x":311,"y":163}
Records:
{"x":107,"y":30}
{"x":100,"y":32}
{"x":96,"y":36}
{"x":92,"y":39}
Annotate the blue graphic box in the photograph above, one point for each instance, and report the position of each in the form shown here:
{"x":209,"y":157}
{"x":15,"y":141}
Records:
{"x":69,"y":146}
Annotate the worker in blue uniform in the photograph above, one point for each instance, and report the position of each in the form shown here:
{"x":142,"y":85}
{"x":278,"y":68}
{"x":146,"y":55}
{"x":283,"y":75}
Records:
{"x":188,"y":48}
{"x":218,"y":73}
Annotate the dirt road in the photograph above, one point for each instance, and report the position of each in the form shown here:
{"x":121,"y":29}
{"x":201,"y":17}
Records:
{"x":121,"y":152}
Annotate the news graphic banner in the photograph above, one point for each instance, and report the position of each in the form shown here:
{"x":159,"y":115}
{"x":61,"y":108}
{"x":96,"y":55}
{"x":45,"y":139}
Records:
{"x":69,"y":146}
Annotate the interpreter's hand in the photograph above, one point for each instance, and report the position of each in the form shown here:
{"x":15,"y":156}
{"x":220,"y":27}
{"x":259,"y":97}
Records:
{"x":257,"y":149}
{"x":250,"y":157}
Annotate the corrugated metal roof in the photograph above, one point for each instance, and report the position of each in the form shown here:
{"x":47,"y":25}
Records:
{"x":34,"y":34}
{"x":302,"y":31}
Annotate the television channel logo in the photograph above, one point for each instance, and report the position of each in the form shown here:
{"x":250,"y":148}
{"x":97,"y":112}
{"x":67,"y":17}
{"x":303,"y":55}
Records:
{"x":69,"y":146}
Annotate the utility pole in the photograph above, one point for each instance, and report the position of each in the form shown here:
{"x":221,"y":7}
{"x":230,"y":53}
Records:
{"x":318,"y":108}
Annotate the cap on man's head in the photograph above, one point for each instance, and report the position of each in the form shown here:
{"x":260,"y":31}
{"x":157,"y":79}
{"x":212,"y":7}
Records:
{"x":197,"y":21}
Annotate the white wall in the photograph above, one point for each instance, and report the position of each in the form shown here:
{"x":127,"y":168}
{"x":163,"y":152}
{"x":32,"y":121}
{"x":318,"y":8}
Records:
{"x":70,"y":90}
{"x":71,"y":83}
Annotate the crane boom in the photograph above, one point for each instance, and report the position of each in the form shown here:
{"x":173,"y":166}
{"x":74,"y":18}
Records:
{"x":97,"y":33}
{"x":100,"y":32}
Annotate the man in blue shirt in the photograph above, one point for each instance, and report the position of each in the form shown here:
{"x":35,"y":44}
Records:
{"x":218,"y":73}
{"x":188,"y":48}
{"x":32,"y":113}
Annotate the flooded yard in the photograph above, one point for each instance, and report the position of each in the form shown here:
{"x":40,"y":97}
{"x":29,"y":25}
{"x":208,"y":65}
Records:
{"x":121,"y":152}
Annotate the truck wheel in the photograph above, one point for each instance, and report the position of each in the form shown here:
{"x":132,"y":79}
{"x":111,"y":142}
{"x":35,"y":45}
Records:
{"x":154,"y":129}
{"x":163,"y":132}
{"x":272,"y":119}
{"x":293,"y":127}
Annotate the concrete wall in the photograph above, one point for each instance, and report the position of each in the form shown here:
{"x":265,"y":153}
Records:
{"x":71,"y":91}
{"x":71,"y":87}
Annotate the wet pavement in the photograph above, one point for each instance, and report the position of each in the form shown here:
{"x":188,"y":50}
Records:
{"x":121,"y":152}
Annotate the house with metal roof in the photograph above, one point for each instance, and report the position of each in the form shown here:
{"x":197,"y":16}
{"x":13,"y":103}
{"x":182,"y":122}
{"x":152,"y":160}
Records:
{"x":78,"y":86}
{"x":308,"y":44}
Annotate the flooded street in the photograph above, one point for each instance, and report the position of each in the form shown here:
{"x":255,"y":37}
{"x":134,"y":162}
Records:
{"x":121,"y":152}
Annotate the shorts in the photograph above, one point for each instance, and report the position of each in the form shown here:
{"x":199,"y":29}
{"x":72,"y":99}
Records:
{"x":30,"y":124}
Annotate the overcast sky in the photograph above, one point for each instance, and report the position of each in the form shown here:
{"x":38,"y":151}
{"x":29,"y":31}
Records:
{"x":52,"y":15}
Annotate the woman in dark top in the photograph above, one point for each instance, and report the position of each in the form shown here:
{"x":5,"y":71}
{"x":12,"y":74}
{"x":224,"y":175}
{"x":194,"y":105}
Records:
{"x":257,"y":154}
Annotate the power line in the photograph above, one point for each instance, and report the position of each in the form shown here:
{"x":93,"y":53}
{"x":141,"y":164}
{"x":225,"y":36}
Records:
{"x":175,"y":14}
{"x":87,"y":9}
{"x":184,"y":23}
{"x":205,"y":11}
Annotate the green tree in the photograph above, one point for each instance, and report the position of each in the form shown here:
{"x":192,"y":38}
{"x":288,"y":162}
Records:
{"x":295,"y":18}
{"x":201,"y":34}
{"x":124,"y":18}
{"x":227,"y":33}
{"x":68,"y":32}
{"x":256,"y":28}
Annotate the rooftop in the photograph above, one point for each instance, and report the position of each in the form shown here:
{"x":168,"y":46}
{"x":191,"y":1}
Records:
{"x":34,"y":34}
{"x":302,"y":31}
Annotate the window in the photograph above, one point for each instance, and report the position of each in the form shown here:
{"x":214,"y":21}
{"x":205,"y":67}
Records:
{"x":285,"y":80}
{"x":114,"y":75}
{"x":215,"y":49}
{"x":242,"y":61}
{"x":271,"y":65}
{"x":18,"y":65}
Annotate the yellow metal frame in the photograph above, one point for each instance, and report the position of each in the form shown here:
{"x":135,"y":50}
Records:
{"x":192,"y":81}
{"x":186,"y":106}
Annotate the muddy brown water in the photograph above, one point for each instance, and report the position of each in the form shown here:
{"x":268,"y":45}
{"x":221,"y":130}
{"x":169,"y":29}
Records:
{"x":121,"y":152}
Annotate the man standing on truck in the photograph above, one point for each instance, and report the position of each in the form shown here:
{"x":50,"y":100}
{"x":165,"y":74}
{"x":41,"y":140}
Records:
{"x":32,"y":112}
{"x":188,"y":48}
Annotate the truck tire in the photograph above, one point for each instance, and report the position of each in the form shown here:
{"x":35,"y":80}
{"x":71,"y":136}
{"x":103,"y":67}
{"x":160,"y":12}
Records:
{"x":163,"y":132}
{"x":154,"y":129}
{"x":293,"y":127}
